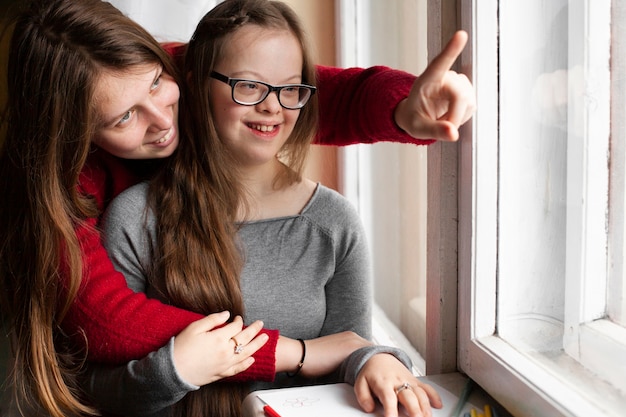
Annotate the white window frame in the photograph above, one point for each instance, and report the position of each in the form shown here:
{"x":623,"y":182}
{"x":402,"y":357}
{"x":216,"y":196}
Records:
{"x":524,"y":385}
{"x":589,"y":338}
{"x":617,"y":224}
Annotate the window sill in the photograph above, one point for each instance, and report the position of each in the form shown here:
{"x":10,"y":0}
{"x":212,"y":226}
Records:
{"x":537,"y":384}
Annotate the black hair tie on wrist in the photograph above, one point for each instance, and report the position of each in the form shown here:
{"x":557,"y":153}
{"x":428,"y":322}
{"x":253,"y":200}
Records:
{"x":301,"y":360}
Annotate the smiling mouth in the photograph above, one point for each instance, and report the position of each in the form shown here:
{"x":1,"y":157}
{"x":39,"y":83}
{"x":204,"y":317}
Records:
{"x":165,"y":138}
{"x":262,"y":128}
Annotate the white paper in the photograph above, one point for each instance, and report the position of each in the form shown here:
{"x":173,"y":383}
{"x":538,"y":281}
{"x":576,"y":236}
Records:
{"x":315,"y":401}
{"x":334,"y":400}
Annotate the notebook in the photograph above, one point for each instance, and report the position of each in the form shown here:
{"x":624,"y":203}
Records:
{"x":333,"y":400}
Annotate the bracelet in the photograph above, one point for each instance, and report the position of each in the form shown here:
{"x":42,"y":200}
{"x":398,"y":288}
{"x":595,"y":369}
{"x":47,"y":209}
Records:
{"x":301,"y":360}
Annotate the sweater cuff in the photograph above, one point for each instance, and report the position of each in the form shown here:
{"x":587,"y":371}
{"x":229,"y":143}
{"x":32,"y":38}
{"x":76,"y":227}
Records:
{"x":351,"y":367}
{"x":169,"y":368}
{"x":383,"y":127}
{"x":264,"y":366}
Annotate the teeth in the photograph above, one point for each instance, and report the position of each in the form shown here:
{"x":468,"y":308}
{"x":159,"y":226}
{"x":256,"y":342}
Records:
{"x":263,"y":128}
{"x":166,"y":137}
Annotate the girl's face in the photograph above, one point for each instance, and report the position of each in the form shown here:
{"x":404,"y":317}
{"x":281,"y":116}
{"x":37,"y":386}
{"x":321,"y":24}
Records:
{"x":256,"y":133}
{"x":138,"y":113}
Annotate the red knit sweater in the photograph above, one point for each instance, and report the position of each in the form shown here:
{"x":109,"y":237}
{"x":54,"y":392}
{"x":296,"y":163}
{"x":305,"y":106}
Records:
{"x":117,"y":324}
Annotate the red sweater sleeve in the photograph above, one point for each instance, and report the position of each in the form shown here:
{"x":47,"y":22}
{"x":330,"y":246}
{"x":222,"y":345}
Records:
{"x":116,"y":324}
{"x":357,"y":105}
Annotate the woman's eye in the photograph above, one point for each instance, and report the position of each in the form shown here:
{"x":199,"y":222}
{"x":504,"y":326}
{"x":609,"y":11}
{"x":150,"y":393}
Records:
{"x":156,"y":83}
{"x":125,"y":118}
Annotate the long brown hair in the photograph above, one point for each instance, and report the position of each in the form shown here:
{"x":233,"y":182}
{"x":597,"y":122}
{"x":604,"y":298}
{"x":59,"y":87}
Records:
{"x":197,"y":196}
{"x":57,"y":51}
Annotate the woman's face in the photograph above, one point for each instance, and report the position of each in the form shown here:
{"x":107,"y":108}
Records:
{"x":256,"y":133}
{"x":138,"y":113}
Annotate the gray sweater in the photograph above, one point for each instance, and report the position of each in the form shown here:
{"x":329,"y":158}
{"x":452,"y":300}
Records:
{"x":307,"y":275}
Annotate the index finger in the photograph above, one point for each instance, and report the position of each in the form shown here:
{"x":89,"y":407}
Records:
{"x":443,"y":62}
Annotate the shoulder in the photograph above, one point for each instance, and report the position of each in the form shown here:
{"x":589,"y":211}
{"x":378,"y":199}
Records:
{"x":327,"y":200}
{"x":137,"y":194}
{"x":333,"y":216}
{"x":331,"y":210}
{"x":129,"y":206}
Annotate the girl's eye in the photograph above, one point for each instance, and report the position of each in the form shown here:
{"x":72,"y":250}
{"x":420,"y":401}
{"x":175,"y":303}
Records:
{"x":248,"y":85}
{"x":290,"y":91}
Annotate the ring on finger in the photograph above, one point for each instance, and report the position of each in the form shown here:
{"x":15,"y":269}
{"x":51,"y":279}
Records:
{"x":402,"y":387}
{"x":238,"y":346}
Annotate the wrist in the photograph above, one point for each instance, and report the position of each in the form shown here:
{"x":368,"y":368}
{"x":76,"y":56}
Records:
{"x":301,"y":363}
{"x":400,"y":116}
{"x":288,"y":354}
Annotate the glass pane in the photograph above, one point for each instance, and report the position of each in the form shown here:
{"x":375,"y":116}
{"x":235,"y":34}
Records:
{"x":533,"y":155}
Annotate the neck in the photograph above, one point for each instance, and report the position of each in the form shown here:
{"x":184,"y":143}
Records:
{"x":266,"y":200}
{"x":259,"y":180}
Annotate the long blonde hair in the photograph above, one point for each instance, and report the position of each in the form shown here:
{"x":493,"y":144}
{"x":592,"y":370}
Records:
{"x":57,"y":51}
{"x":197,"y":196}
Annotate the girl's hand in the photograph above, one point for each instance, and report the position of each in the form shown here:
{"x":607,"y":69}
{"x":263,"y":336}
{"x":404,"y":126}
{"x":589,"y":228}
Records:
{"x":381,"y":377}
{"x":204,"y":351}
{"x":323,"y":354}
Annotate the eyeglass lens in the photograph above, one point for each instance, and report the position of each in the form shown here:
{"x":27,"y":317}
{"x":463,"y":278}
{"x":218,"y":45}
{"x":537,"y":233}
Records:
{"x":250,"y":92}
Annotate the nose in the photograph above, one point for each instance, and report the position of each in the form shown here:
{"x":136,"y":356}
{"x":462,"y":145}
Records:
{"x":270,"y":104}
{"x":161,"y":117}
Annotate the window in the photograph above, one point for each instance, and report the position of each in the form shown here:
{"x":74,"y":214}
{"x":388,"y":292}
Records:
{"x":541,"y":279}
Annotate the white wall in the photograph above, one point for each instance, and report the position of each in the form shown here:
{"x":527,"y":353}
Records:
{"x":387,"y":181}
{"x":166,"y":20}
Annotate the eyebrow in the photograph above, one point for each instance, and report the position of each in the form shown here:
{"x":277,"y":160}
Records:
{"x":241,"y":75}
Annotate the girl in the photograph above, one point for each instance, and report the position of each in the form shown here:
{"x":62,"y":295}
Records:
{"x":252,"y":108}
{"x":58,"y":289}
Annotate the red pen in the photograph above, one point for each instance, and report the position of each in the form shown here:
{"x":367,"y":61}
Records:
{"x":267,"y":410}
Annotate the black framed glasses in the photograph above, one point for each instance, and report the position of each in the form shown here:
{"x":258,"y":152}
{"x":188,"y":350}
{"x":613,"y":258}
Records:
{"x":251,"y":92}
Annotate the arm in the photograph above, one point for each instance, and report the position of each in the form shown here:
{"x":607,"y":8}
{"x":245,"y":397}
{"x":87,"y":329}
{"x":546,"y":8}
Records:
{"x":348,"y":293}
{"x":375,"y":371}
{"x":108,"y":319}
{"x":382,"y":104}
{"x":374,"y":104}
{"x":115,"y":324}
{"x":152,"y":384}
{"x":157,"y":381}
{"x":140,"y":388}
{"x":357,"y":105}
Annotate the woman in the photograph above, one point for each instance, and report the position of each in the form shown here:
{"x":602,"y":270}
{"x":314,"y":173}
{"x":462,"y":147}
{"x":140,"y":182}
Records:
{"x":62,"y":295}
{"x":250,"y":113}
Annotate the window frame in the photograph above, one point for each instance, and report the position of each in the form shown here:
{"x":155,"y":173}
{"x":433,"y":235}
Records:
{"x":617,"y":224}
{"x":524,"y":385}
